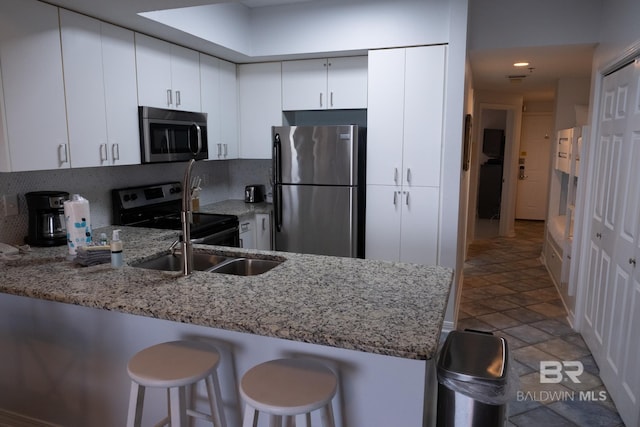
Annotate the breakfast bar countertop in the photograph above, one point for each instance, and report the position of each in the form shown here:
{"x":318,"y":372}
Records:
{"x":380,"y":307}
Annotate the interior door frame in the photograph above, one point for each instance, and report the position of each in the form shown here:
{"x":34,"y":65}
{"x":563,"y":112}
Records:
{"x":509,"y":172}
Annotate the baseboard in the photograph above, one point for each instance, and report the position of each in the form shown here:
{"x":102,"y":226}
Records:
{"x":12,"y":419}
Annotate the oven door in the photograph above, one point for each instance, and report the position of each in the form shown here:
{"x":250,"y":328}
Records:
{"x":229,"y":237}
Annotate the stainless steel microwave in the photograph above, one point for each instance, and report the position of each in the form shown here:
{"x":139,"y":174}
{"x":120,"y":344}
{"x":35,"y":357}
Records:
{"x":172,"y":135}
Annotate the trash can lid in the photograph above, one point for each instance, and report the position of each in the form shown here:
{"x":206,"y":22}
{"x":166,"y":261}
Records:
{"x":472,"y":356}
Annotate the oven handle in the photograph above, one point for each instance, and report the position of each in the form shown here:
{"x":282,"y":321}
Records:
{"x":217,"y":235}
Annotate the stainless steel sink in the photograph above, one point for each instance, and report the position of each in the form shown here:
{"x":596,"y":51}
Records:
{"x":245,"y":266}
{"x":169,"y":262}
{"x":238,"y":266}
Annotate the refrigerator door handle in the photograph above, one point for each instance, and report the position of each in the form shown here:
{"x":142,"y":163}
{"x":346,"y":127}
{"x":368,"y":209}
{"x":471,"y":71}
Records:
{"x":277,"y":194}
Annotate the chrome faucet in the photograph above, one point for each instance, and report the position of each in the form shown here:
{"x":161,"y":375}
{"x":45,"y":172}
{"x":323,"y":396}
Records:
{"x":185,"y":218}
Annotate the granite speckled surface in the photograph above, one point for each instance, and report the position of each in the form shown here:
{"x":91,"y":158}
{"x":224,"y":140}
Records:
{"x":379,"y":307}
{"x":237,"y":207}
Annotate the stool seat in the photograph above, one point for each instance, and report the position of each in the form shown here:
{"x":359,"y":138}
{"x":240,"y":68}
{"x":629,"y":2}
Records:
{"x":288,"y":388}
{"x":175,"y":366}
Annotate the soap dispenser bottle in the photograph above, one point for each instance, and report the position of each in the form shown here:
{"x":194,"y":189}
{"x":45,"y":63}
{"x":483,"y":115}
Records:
{"x":116,"y":250}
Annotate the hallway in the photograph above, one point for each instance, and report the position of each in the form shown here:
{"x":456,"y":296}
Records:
{"x":508,"y":291}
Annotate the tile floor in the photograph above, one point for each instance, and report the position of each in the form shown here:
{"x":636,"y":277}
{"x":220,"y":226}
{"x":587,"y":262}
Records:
{"x":508,"y":291}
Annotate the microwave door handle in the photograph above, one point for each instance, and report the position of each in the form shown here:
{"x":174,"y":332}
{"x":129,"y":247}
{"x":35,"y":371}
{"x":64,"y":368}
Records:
{"x":166,"y":140}
{"x":199,"y":138}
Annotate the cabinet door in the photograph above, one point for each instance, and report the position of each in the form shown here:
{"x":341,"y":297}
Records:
{"x":423,"y":112}
{"x":84,"y":89}
{"x":210,"y":102}
{"x":419,"y":231}
{"x":228,"y":110}
{"x":263,"y":231}
{"x":30,"y":54}
{"x":385,"y":116}
{"x":121,"y":102}
{"x":248,"y":233}
{"x":153,"y":67}
{"x":185,"y":78}
{"x":382,"y":235}
{"x":347,"y":82}
{"x":304,"y":85}
{"x":260,"y":88}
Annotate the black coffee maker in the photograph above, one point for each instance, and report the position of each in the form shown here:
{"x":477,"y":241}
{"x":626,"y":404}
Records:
{"x":46,"y":218}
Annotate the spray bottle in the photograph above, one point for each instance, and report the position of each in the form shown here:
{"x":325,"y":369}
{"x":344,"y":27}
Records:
{"x":117,"y":259}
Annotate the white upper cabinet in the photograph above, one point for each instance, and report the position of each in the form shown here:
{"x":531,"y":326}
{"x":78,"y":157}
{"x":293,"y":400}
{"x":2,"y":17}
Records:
{"x":260,"y":107}
{"x":168,"y":75}
{"x":321,"y":84}
{"x":404,"y":119}
{"x":100,"y":86}
{"x":31,"y":61}
{"x":219,"y":94}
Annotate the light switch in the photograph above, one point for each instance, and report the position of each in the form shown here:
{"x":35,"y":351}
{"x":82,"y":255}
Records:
{"x":10,"y":202}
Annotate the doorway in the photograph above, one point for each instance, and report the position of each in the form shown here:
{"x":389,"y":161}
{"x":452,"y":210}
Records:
{"x":495,"y":172}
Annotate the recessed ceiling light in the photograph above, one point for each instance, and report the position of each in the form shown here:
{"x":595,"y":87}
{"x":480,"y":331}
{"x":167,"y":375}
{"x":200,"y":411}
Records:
{"x":521,"y":64}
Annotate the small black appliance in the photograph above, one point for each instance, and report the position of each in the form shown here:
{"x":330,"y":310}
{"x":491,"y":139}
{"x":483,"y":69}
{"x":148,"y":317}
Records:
{"x":46,"y":218}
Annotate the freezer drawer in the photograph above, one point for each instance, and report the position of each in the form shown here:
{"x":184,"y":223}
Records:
{"x":317,"y":220}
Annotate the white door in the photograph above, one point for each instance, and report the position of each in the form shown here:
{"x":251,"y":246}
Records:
{"x":185,"y":78}
{"x":533,"y":178}
{"x":347,"y":82}
{"x":419,"y":231}
{"x":383,"y":223}
{"x":612,"y":303}
{"x":153,"y":68}
{"x":304,"y":84}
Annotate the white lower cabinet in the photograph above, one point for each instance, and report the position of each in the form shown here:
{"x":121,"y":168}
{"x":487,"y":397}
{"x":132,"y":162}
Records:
{"x":255,"y":232}
{"x":32,"y":87}
{"x":402,"y":224}
{"x":263,"y":231}
{"x":100,"y":89}
{"x":248,"y":233}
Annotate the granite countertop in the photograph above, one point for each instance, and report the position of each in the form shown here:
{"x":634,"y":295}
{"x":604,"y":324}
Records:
{"x":379,"y":307}
{"x":237,"y":207}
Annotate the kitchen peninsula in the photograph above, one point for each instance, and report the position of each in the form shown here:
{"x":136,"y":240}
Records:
{"x":67,"y":331}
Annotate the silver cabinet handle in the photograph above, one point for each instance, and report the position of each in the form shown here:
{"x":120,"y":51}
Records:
{"x":408,"y":175}
{"x":321,"y":99}
{"x":63,"y":156}
{"x":395,"y":198}
{"x":331,"y":99}
{"x":169,"y":97}
{"x":219,"y":150}
{"x":178,"y":98}
{"x":264,"y":224}
{"x":407,"y":199}
{"x":395,"y":175}
{"x":632,"y":261}
{"x":115,"y":152}
{"x":225,"y":150}
{"x":599,"y":235}
{"x":103,"y":153}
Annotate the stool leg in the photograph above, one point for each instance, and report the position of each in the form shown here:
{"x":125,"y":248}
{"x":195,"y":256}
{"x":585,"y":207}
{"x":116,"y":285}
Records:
{"x":327,"y":416}
{"x":250,"y":417}
{"x":275,"y":421}
{"x":303,"y":420}
{"x":178,"y":407}
{"x":215,"y":401}
{"x":136,"y":400}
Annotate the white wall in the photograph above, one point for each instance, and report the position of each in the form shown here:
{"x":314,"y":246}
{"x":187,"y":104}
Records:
{"x":570,"y":93}
{"x":309,"y":29}
{"x":534,"y":23}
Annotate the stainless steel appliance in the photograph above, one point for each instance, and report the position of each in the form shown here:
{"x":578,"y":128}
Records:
{"x":319,"y":191}
{"x":254,"y":193}
{"x":158,"y":206}
{"x":172,"y":135}
{"x":46,"y":218}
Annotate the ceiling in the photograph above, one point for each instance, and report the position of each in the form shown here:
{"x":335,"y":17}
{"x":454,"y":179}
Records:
{"x":490,"y":67}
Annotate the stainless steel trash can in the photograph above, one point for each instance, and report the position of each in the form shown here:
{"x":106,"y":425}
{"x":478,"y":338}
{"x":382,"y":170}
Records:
{"x":472,"y":380}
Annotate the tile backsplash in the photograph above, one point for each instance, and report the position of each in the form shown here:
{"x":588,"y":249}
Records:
{"x":221,"y":180}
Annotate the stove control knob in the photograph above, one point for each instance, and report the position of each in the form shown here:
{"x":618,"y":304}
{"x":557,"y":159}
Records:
{"x":126,"y":198}
{"x":134,"y":196}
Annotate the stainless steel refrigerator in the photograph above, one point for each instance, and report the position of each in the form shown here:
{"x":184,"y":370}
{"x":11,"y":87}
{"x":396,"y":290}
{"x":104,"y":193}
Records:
{"x":319,"y":191}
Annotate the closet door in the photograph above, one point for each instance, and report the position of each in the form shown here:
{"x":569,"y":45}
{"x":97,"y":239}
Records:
{"x":612,"y":303}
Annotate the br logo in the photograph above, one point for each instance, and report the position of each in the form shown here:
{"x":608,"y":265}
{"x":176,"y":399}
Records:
{"x":552,"y":371}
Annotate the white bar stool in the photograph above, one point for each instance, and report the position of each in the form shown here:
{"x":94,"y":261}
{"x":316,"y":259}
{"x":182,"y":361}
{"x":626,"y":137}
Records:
{"x":288,"y":388}
{"x":175,"y":366}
